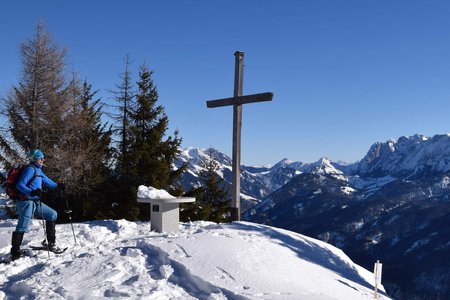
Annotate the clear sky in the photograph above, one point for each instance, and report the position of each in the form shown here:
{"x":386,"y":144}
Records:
{"x":344,"y":74}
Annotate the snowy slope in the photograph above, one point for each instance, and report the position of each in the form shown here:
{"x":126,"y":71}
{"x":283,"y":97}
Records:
{"x":203,"y":260}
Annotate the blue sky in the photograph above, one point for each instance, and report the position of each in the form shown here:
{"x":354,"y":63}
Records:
{"x":344,"y":74}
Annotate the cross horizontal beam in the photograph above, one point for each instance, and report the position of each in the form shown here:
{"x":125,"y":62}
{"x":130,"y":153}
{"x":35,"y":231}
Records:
{"x":239,"y":100}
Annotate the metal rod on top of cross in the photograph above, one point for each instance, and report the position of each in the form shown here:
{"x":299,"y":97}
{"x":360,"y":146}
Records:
{"x":237,"y":100}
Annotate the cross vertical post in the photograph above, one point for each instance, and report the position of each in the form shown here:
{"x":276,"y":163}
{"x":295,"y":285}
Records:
{"x":237,"y":102}
{"x":237,"y":125}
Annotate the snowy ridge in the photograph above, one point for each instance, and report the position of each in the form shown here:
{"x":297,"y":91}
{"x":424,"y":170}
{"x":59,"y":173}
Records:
{"x":407,"y":156}
{"x":256,"y":182}
{"x":204,"y":260}
{"x":384,"y":162}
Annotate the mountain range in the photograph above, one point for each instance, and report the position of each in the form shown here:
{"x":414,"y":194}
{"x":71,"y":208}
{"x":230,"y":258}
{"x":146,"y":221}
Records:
{"x":392,"y":205}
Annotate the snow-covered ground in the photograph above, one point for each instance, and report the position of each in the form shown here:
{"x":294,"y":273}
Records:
{"x":204,"y":260}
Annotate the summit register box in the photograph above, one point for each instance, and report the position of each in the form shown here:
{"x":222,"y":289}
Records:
{"x":165,"y":213}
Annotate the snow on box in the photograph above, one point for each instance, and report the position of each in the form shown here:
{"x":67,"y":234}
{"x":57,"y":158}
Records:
{"x":152,"y":193}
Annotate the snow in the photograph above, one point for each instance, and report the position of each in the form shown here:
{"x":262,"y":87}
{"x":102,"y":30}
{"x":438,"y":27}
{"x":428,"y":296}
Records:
{"x":370,"y":184}
{"x":418,"y":244}
{"x":150,"y":192}
{"x":324,"y":166}
{"x":408,"y":155}
{"x":348,"y":190}
{"x":203,"y":260}
{"x":319,"y":191}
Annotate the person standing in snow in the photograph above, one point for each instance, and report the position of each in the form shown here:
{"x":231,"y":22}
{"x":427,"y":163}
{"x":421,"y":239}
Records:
{"x":30,"y":184}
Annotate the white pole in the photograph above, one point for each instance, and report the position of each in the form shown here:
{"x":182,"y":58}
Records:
{"x":377,"y":272}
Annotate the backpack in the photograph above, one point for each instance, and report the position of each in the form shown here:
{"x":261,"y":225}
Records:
{"x":11,"y":181}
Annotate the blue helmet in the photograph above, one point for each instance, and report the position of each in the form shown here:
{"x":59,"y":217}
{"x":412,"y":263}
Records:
{"x":35,"y":154}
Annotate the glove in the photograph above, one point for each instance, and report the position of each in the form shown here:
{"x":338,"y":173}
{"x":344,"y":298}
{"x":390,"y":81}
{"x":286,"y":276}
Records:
{"x":36,"y":192}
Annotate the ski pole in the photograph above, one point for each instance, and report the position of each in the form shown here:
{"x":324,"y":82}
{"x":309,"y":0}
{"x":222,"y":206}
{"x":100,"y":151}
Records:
{"x":71,"y":224}
{"x":68,"y":211}
{"x":43,"y":225}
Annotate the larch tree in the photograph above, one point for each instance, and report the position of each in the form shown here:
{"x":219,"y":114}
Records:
{"x":45,"y":110}
{"x":41,"y":96}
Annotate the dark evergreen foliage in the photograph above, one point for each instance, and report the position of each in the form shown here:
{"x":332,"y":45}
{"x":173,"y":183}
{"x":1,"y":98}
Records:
{"x":88,"y":201}
{"x":122,"y":200}
{"x":148,"y":156}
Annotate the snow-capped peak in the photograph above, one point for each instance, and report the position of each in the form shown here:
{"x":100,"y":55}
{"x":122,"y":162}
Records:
{"x":324,"y":166}
{"x":407,"y":155}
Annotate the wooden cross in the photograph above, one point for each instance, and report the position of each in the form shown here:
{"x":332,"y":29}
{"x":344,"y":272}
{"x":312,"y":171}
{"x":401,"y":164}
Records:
{"x":237,"y":102}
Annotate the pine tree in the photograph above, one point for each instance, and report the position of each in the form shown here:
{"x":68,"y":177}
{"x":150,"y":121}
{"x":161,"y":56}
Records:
{"x":212,"y":200}
{"x":153,"y":153}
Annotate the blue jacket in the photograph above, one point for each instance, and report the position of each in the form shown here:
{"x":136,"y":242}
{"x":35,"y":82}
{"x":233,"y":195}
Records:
{"x":37,"y":182}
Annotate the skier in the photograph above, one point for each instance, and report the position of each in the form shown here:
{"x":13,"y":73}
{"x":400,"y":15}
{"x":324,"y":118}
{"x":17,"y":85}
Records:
{"x":30,"y":184}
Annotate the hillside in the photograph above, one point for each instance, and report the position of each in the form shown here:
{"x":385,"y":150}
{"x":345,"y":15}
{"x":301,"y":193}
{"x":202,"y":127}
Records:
{"x":121,"y":259}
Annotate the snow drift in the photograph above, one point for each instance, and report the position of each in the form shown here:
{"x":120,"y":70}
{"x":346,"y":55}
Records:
{"x":204,"y":260}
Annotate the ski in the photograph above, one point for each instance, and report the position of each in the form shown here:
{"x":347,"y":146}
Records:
{"x":56,"y":251}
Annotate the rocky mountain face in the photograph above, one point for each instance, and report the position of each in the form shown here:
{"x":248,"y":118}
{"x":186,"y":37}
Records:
{"x":391,"y":206}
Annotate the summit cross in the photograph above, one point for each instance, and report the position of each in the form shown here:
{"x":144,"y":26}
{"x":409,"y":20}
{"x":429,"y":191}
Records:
{"x":237,"y":102}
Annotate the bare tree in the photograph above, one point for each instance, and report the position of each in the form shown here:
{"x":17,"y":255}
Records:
{"x":51,"y":110}
{"x":124,"y":95}
{"x":37,"y":100}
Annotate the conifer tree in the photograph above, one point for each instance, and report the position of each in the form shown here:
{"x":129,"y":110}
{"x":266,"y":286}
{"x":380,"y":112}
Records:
{"x":212,"y":200}
{"x":153,"y":153}
{"x":95,"y":171}
{"x":121,"y":194}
